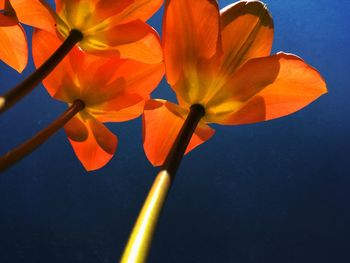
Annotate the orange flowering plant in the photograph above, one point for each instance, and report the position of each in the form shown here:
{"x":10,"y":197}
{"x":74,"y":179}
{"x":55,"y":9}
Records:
{"x":110,"y":89}
{"x":13,"y":43}
{"x":117,"y":33}
{"x":102,"y":27}
{"x":112,"y":27}
{"x":220,"y":67}
{"x":221,"y":61}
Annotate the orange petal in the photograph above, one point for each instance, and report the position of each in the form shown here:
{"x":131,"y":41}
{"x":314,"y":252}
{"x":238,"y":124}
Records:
{"x":128,"y":10}
{"x":162,"y":122}
{"x":247,"y":32}
{"x":111,"y":85}
{"x":44,"y":45}
{"x":116,"y":76}
{"x":134,"y":40}
{"x":114,"y":109}
{"x":2,"y":4}
{"x":119,"y":87}
{"x":140,"y":78}
{"x":98,"y":148}
{"x":35,"y":13}
{"x":251,"y":112}
{"x":191,"y":40}
{"x":112,"y":28}
{"x":114,"y":87}
{"x":97,"y":14}
{"x":126,"y":113}
{"x":76,"y":130}
{"x":13,"y":43}
{"x":284,"y":82}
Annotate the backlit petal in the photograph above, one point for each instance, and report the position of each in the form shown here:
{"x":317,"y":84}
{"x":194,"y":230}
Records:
{"x":44,"y":45}
{"x":110,"y":78}
{"x":247,"y":32}
{"x":122,"y":99}
{"x":191,"y":44}
{"x":140,"y":78}
{"x":98,"y":148}
{"x":124,"y":114}
{"x":111,"y":85}
{"x":76,"y":130}
{"x":113,"y":28}
{"x":284,"y":82}
{"x":135,"y":40}
{"x":162,"y":122}
{"x":35,"y":13}
{"x":128,"y":10}
{"x":13,"y":43}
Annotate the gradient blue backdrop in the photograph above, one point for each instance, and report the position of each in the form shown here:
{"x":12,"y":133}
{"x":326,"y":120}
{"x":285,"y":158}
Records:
{"x":270,"y":192}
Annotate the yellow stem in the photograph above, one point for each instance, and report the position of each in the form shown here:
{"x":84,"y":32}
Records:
{"x":140,"y":239}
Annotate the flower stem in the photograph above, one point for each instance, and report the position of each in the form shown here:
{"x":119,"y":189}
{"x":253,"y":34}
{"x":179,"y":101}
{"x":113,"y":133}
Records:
{"x":137,"y":248}
{"x":26,"y":86}
{"x":30,"y":145}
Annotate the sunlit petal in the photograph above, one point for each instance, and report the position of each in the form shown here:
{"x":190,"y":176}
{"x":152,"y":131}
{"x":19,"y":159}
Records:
{"x":128,"y":10}
{"x":98,"y":148}
{"x":134,"y":40}
{"x":13,"y":43}
{"x":76,"y":130}
{"x":162,"y":122}
{"x":191,"y":43}
{"x":114,"y":89}
{"x":247,"y":32}
{"x":122,"y":99}
{"x":284,"y":82}
{"x":113,"y":28}
{"x":35,"y":13}
{"x":44,"y":44}
{"x":110,"y":78}
{"x":105,"y":114}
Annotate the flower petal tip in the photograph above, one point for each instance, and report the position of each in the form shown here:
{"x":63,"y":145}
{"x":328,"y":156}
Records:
{"x":256,"y":8}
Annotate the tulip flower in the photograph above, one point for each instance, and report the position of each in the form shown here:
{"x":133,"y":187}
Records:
{"x":13,"y":42}
{"x":100,"y":27}
{"x":97,"y":90}
{"x":222,"y":62}
{"x":220,"y":67}
{"x":112,"y":27}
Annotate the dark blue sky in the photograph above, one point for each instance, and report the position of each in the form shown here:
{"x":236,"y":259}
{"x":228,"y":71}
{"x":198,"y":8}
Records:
{"x":270,"y":192}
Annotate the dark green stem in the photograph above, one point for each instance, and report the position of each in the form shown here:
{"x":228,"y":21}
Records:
{"x":29,"y":146}
{"x":26,"y":86}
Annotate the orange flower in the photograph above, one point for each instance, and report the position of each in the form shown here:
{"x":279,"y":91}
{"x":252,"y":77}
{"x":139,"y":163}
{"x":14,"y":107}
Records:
{"x":112,"y":27}
{"x":13,"y":43}
{"x":221,"y":60}
{"x":112,"y":90}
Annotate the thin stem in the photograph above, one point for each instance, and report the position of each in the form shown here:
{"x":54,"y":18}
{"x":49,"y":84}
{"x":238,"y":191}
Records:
{"x":178,"y":149}
{"x":30,"y":145}
{"x":139,"y":243}
{"x":26,"y":86}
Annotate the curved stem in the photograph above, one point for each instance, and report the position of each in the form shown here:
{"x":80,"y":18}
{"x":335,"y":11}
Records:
{"x":139,"y":243}
{"x":26,"y":86}
{"x":30,"y":145}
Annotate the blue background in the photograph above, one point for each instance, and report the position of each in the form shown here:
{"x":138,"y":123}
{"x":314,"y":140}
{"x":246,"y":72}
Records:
{"x":270,"y":192}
